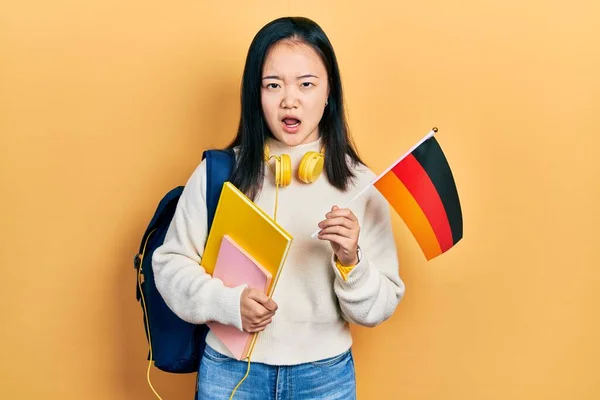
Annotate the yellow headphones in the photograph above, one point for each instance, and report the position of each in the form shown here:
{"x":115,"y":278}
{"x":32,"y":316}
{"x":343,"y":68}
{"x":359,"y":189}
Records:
{"x":309,"y":169}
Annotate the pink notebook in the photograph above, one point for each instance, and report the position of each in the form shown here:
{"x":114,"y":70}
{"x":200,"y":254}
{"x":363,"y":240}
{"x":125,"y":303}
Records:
{"x":234,"y":266}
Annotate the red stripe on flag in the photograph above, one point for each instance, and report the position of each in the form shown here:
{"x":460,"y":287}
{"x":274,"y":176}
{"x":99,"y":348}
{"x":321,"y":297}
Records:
{"x":392,"y":188}
{"x":418,"y":183}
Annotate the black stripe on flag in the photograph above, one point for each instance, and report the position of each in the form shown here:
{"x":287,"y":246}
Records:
{"x":431,"y":157}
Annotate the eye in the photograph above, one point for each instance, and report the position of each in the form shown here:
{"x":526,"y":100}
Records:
{"x":307,"y":84}
{"x":272,"y":85}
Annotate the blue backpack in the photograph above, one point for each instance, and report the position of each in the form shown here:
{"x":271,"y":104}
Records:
{"x":175,"y":345}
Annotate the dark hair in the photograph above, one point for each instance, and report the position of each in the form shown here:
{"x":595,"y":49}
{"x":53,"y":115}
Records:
{"x":248,"y":174}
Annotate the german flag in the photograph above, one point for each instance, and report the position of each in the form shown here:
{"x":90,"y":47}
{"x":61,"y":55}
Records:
{"x":421,"y":188}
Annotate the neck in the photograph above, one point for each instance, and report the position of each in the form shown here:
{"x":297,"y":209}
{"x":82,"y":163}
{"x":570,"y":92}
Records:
{"x":277,"y":147}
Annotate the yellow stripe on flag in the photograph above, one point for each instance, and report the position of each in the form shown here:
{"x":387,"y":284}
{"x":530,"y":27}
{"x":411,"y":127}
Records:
{"x":407,"y":207}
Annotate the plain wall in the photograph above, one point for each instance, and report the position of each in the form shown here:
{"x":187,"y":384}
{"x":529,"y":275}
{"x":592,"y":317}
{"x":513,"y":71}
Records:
{"x":106,"y":105}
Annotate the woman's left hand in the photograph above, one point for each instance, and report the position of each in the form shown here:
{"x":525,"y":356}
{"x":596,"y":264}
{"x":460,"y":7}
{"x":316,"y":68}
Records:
{"x":341,"y":229}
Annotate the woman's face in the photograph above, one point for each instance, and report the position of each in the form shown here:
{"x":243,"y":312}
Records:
{"x":294,"y":90}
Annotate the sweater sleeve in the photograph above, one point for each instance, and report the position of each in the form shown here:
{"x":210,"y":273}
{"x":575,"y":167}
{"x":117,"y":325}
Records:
{"x":190,"y":292}
{"x":372,"y":289}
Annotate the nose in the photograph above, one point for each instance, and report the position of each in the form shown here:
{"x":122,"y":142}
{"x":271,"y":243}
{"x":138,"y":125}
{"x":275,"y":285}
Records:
{"x":290,"y":98}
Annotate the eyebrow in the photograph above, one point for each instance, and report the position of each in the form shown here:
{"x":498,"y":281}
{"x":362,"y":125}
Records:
{"x":300,"y":77}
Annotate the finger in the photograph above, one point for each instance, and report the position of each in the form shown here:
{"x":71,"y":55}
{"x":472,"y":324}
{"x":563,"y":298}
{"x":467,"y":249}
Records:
{"x":339,"y":230}
{"x":343,"y":242}
{"x":271,"y":305}
{"x":267,"y":303}
{"x":258,"y":296}
{"x":263,"y":324}
{"x":343,"y":221}
{"x":256,"y":329}
{"x":259,"y":313}
{"x":261,"y":298}
{"x":264,"y":318}
{"x":259,"y":326}
{"x":253,"y":329}
{"x":342,"y":212}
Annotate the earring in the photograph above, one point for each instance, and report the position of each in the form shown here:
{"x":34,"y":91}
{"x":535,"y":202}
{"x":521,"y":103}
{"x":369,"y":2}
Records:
{"x":326,"y":102}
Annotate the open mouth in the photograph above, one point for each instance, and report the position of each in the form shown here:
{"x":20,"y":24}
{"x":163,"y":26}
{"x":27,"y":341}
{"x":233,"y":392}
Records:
{"x":291,"y":122}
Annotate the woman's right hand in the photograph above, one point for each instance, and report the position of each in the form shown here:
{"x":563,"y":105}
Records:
{"x":257,"y":310}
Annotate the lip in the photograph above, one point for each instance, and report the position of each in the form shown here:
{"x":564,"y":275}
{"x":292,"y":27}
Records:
{"x":289,"y":129}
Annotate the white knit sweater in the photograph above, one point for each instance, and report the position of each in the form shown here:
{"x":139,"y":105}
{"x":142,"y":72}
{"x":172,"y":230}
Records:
{"x":315,"y":302}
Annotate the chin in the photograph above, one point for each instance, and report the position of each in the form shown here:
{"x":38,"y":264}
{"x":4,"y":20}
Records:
{"x":294,"y":139}
{"x":290,"y":139}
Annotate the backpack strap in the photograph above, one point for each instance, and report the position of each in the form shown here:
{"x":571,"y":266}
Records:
{"x":164,"y":210}
{"x":219,"y":165}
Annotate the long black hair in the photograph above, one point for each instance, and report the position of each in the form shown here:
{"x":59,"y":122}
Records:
{"x":248,"y":174}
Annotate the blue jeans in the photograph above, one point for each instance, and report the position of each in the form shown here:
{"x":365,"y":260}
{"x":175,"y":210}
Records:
{"x":329,"y":379}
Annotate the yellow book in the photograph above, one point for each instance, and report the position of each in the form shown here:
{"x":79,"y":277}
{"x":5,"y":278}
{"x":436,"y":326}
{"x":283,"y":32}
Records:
{"x":252,"y":229}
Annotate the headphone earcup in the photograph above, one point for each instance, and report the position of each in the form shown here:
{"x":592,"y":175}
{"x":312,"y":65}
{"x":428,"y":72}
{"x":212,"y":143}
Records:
{"x":311,"y":166}
{"x":283,"y":170}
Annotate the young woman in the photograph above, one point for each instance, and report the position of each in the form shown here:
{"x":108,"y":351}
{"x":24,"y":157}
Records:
{"x":292,"y":104}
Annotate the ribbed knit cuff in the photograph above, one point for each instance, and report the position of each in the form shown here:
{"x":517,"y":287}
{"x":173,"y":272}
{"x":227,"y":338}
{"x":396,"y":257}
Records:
{"x":227,"y":308}
{"x":344,"y":270}
{"x":356,"y":274}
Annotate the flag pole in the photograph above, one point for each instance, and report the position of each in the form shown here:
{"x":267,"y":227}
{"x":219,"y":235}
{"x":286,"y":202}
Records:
{"x":432,"y":132}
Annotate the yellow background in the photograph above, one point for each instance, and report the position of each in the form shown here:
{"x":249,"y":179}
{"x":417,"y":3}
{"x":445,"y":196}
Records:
{"x":106,"y":105}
